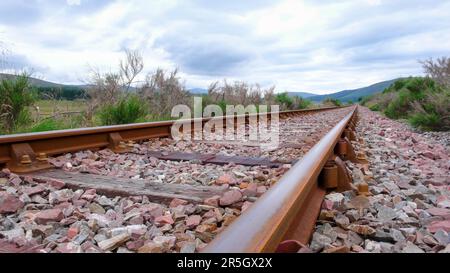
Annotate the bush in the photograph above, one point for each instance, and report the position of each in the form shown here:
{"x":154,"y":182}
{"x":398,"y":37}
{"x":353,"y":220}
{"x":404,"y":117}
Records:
{"x":398,"y":108}
{"x":421,"y":101}
{"x":425,"y":121}
{"x":127,"y":110}
{"x":364,"y":100}
{"x":284,"y":100}
{"x":375,"y":107}
{"x":301,"y":103}
{"x":332,"y":102}
{"x":15,"y":97}
{"x":433,"y":113}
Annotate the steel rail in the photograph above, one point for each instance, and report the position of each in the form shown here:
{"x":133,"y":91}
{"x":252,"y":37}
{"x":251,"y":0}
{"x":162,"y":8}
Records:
{"x":276,"y":216}
{"x":65,"y":141}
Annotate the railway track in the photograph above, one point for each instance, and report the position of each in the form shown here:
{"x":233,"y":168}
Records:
{"x":131,"y":188}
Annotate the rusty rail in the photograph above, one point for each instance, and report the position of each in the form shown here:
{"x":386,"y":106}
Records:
{"x":28,"y":152}
{"x":289,"y":209}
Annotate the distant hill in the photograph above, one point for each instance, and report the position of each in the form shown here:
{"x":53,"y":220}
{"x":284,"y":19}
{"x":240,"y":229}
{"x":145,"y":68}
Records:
{"x":198,"y":91}
{"x":355,"y":94}
{"x":46,"y":89}
{"x":41,"y":83}
{"x":301,"y":94}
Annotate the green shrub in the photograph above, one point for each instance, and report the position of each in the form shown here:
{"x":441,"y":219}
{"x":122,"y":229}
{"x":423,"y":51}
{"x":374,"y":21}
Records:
{"x":284,"y":100}
{"x":421,"y":101}
{"x":15,"y":97}
{"x":433,"y":113}
{"x":127,"y":110}
{"x":301,"y":103}
{"x":398,"y":108}
{"x":332,"y":102}
{"x":363,"y":100}
{"x":425,"y":121}
{"x":375,"y":107}
{"x":223,"y":105}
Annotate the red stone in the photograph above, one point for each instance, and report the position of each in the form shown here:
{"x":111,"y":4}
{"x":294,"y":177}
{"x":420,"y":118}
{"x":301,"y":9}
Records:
{"x":57,"y":184}
{"x":79,"y":203}
{"x":15,"y":180}
{"x":49,"y":215}
{"x":6,"y":171}
{"x":72,"y":232}
{"x":429,"y":154}
{"x":63,"y":205}
{"x":89,"y":195}
{"x":251,"y":190}
{"x":261,"y":190}
{"x":164,"y":219}
{"x":225,"y":179}
{"x":10,"y":204}
{"x":176,"y":202}
{"x":246,"y":205}
{"x":327,"y":204}
{"x":11,"y":247}
{"x":438,"y":211}
{"x":154,"y":210}
{"x":437,"y":225}
{"x":33,"y":190}
{"x":212,"y":201}
{"x":193,"y":221}
{"x":135,"y":245}
{"x":28,"y":179}
{"x":230,"y":197}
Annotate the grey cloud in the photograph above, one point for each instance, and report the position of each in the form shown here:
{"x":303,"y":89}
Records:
{"x":17,"y":62}
{"x":19,"y":12}
{"x":212,"y":56}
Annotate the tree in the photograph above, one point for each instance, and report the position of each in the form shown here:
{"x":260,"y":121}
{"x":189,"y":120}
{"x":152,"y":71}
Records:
{"x":131,"y":67}
{"x":163,"y":91}
{"x":438,"y":70}
{"x":108,"y":88}
{"x":238,"y":92}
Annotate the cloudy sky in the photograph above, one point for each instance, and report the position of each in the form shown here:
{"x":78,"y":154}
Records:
{"x":313,"y":46}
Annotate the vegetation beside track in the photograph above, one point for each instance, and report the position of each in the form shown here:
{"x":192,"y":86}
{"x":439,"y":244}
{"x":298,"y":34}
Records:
{"x":423,"y":101}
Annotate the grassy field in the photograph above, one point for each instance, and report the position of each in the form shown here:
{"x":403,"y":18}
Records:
{"x":48,"y":108}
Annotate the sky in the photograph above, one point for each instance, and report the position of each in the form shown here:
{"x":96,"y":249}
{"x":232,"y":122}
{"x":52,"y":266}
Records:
{"x":305,"y":46}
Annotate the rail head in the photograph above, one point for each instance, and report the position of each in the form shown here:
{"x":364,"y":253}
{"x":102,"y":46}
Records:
{"x":262,"y":226}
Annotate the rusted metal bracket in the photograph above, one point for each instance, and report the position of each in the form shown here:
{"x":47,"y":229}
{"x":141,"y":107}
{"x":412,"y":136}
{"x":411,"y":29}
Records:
{"x":350,"y":134}
{"x":117,"y":144}
{"x":23,"y":159}
{"x":335,"y":176}
{"x":292,"y":246}
{"x":363,"y":189}
{"x":345,"y":151}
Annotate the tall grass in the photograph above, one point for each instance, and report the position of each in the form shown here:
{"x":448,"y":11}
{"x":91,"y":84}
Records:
{"x":15,"y":97}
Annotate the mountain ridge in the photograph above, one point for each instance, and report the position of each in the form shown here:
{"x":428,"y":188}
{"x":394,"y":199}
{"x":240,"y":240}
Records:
{"x":355,"y":94}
